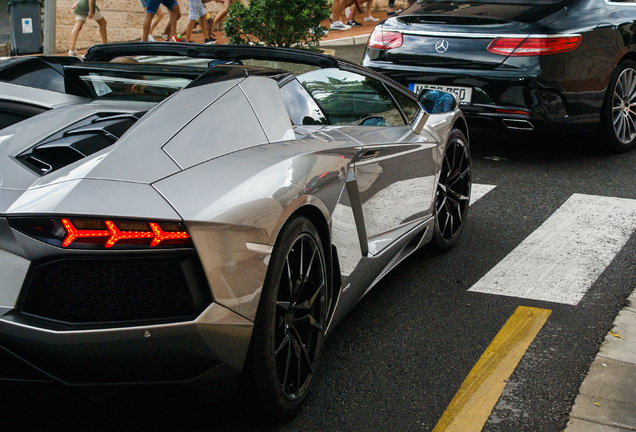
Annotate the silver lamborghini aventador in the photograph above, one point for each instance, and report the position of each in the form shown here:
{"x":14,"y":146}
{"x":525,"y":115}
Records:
{"x":189,"y":213}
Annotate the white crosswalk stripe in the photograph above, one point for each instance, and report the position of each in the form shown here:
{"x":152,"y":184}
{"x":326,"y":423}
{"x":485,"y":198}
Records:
{"x":478,"y":191}
{"x":562,"y":259}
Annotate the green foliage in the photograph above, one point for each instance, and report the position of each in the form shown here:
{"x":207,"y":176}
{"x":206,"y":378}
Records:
{"x":283,"y":23}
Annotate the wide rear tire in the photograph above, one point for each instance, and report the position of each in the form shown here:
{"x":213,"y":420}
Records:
{"x":291,"y":321}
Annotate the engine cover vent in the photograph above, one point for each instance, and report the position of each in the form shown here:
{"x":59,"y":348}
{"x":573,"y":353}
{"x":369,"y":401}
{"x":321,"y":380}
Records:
{"x":77,"y":141}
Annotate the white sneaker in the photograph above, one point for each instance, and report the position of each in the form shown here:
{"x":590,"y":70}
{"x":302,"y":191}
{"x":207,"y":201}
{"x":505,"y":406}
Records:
{"x":371,"y":19}
{"x":151,"y":38}
{"x":338,"y":25}
{"x":73,"y":53}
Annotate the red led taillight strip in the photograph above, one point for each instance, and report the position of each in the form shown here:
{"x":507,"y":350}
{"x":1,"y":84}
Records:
{"x":161,"y":235}
{"x":115,"y":235}
{"x":73,"y":233}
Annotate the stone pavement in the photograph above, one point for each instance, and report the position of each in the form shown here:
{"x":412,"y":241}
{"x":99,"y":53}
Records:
{"x":607,"y":397}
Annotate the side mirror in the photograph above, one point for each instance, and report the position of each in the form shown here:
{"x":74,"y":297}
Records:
{"x":438,"y":101}
{"x":372,"y":121}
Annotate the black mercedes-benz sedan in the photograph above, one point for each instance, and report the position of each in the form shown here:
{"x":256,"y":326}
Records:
{"x":563,"y":65}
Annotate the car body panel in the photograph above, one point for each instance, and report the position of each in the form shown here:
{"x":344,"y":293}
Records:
{"x":221,"y":158}
{"x":187,"y":350}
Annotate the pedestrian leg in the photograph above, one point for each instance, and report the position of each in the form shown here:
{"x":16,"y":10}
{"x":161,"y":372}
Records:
{"x":102,"y":29}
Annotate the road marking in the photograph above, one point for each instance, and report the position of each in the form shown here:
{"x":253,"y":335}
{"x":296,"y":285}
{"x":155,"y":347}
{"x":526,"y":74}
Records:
{"x":477,"y":191}
{"x":561,"y":260}
{"x":470,"y":408}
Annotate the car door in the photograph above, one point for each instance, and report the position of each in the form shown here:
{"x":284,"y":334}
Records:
{"x":394,"y":172}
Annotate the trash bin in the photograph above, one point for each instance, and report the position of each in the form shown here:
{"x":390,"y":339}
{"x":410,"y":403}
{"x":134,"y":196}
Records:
{"x":26,"y":27}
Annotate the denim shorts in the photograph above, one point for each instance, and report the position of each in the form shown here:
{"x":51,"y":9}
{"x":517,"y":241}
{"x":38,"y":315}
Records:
{"x":153,"y":5}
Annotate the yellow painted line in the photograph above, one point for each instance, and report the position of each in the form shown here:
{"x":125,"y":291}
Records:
{"x":480,"y":391}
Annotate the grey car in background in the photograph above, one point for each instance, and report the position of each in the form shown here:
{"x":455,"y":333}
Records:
{"x":190,"y":213}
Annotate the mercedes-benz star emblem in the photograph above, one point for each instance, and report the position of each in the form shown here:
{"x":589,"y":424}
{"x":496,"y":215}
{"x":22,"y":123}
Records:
{"x":441,"y":46}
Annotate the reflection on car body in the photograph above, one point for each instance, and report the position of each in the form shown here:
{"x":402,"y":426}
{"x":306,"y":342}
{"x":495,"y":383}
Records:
{"x":220,"y":228}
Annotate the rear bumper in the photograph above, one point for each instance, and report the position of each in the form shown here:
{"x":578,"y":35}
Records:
{"x":112,"y":318}
{"x":516,"y":99}
{"x":213,"y":345}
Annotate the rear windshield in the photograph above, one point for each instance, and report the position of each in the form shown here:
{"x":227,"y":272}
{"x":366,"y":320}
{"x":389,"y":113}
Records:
{"x":132,"y":86}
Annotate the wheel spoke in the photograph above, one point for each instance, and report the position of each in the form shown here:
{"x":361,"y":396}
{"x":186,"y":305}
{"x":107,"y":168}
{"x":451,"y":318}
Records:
{"x":448,"y":217}
{"x":289,"y":277}
{"x":302,"y":254}
{"x":307,"y":359}
{"x":310,"y":321}
{"x":308,"y":270}
{"x":284,"y":305}
{"x":630,"y":124}
{"x":621,"y":128}
{"x":459,"y":176}
{"x":441,"y":207}
{"x":631,"y":82}
{"x":300,"y":364}
{"x":287,"y":364}
{"x":282,"y":345}
{"x":307,"y":304}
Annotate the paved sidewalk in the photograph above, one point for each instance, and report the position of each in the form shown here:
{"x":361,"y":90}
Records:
{"x":607,"y":397}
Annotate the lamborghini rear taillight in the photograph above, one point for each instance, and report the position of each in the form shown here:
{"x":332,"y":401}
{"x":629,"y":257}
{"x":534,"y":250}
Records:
{"x":104,"y":233}
{"x":384,"y":40}
{"x":534,"y":45}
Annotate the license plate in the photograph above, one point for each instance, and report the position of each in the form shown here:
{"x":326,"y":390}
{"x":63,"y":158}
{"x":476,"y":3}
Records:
{"x":465,"y":93}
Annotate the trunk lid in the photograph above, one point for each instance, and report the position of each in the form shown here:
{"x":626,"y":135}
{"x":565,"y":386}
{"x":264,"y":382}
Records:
{"x":457,"y":34}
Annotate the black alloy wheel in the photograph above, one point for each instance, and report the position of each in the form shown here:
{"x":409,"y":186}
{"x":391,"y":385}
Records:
{"x":619,"y":109}
{"x":453,"y":192}
{"x":291,"y":320}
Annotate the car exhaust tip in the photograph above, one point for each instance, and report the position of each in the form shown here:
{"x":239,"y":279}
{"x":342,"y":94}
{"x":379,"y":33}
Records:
{"x":516,"y":124}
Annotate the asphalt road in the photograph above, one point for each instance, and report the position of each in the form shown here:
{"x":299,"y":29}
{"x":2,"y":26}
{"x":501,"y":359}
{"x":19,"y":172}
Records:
{"x":397,"y":360}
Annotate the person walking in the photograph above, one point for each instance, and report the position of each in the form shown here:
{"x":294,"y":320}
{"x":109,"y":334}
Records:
{"x":151,"y":10}
{"x":336,"y":15}
{"x":197,"y":12}
{"x":218,"y":19}
{"x":354,"y":5}
{"x":86,"y":9}
{"x":155,"y":22}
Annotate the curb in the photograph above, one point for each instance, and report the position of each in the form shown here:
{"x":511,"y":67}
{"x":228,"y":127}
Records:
{"x":351,"y":40}
{"x":606,"y":399}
